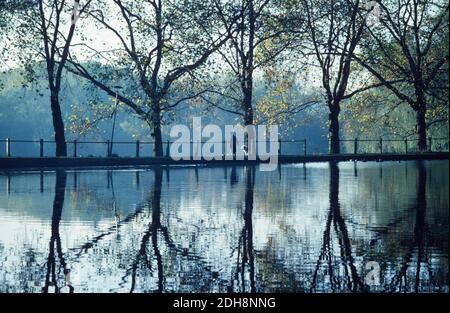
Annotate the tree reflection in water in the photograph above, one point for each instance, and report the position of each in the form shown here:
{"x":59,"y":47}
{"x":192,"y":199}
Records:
{"x":400,"y":280}
{"x":351,"y":280}
{"x":51,"y":278}
{"x":152,"y":232}
{"x":245,"y":251}
{"x":227,"y":231}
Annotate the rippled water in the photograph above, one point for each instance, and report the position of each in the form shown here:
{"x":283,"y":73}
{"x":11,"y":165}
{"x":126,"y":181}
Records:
{"x":312,"y":228}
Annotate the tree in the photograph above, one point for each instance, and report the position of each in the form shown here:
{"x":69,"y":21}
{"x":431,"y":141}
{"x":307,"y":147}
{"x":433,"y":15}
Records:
{"x":407,"y":43}
{"x":159,"y":45}
{"x":40,"y":36}
{"x":258,"y":38}
{"x":334,"y":29}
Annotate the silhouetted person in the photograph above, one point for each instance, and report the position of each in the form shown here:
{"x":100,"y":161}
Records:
{"x":244,"y":148}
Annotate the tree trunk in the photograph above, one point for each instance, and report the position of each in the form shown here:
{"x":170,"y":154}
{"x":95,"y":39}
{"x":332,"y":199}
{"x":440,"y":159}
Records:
{"x":248,"y":110}
{"x":248,"y":116}
{"x":58,"y":125}
{"x":421,"y":128}
{"x":333,"y":120}
{"x":247,"y":90}
{"x":157,"y":134}
{"x":158,"y":148}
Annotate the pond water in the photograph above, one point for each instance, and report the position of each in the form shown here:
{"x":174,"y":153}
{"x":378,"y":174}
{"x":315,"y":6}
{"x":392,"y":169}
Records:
{"x":347,"y":227}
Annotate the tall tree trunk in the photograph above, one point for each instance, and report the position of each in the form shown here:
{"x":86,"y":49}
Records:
{"x":157,"y":133}
{"x":421,"y":128}
{"x":248,"y":115}
{"x":247,"y":61}
{"x":58,"y":125}
{"x":247,"y":90}
{"x":420,"y":109}
{"x":333,"y":128}
{"x":248,"y":112}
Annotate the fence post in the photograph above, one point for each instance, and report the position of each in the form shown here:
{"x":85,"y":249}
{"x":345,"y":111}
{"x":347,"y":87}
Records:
{"x":304,"y":146}
{"x":381,"y":145}
{"x":406,"y":145}
{"x":137,"y":148}
{"x":168,"y":149}
{"x":8,"y":147}
{"x":41,"y":148}
{"x":355,"y":146}
{"x":108,"y":151}
{"x":75,"y":148}
{"x":429,"y":144}
{"x":279,"y":146}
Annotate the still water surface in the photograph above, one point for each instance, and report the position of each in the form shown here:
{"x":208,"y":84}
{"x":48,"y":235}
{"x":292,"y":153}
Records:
{"x":310,"y":228}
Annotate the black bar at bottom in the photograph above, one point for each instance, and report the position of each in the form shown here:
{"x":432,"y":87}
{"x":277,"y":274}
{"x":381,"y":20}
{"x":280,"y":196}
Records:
{"x":256,"y":302}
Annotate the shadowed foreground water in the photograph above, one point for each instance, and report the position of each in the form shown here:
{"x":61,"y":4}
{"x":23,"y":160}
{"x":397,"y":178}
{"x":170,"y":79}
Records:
{"x":310,"y":228}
